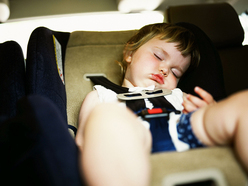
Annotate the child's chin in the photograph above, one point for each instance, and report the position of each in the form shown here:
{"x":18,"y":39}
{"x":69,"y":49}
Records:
{"x":159,"y":86}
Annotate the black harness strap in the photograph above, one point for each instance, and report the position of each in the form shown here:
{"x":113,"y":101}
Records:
{"x":135,"y":105}
{"x":161,"y":102}
{"x":101,"y":80}
{"x":161,"y":140}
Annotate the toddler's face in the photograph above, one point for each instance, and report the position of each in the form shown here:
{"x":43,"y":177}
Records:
{"x":156,"y":63}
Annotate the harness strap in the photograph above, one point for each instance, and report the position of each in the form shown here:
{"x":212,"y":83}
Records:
{"x":161,"y":139}
{"x":135,"y":105}
{"x":161,"y":102}
{"x":101,"y":80}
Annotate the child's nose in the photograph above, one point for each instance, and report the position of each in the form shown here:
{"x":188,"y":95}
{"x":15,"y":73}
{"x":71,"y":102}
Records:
{"x":164,"y":70}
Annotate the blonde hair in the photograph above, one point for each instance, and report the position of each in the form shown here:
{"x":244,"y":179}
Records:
{"x":185,"y":39}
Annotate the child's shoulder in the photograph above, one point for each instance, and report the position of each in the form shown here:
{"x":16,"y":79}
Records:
{"x":91,"y":95}
{"x":105,"y":94}
{"x":103,"y":90}
{"x":177,"y":91}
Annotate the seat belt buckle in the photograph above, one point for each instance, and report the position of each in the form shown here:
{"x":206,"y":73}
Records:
{"x":157,"y":113}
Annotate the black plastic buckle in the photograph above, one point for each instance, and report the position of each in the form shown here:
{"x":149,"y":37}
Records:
{"x":157,"y":113}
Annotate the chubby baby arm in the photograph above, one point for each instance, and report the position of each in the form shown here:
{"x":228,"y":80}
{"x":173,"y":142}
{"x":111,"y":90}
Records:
{"x":192,"y":103}
{"x":89,"y":103}
{"x":224,"y":123}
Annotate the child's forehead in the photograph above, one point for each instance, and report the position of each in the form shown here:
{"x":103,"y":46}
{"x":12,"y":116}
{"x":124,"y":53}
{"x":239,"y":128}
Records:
{"x":158,"y":41}
{"x":166,"y":45}
{"x":164,"y":40}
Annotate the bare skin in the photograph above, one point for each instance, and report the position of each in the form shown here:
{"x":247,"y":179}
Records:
{"x":224,"y":123}
{"x":115,"y":147}
{"x":155,"y":63}
{"x":116,"y":150}
{"x":125,"y":151}
{"x":192,"y":103}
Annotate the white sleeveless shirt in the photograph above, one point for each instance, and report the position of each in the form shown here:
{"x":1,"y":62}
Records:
{"x":107,"y":95}
{"x":175,"y":98}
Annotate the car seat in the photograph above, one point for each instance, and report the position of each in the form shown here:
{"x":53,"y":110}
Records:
{"x":45,"y":66}
{"x":12,"y":71}
{"x":94,"y":53}
{"x":221,"y":23}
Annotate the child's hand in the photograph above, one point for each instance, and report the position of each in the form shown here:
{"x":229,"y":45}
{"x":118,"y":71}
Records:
{"x":191,"y":103}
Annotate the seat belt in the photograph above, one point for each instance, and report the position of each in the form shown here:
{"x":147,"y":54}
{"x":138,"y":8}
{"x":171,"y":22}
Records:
{"x":157,"y":117}
{"x":135,"y":105}
{"x":101,"y":80}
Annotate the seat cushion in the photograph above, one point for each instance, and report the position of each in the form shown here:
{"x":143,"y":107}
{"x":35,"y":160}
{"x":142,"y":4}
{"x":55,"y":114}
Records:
{"x":91,"y":53}
{"x":167,"y":165}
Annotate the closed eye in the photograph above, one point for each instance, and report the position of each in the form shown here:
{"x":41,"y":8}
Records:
{"x":157,"y":57}
{"x":176,"y":73}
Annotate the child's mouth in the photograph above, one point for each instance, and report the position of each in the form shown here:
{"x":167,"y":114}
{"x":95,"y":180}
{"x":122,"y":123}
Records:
{"x":158,"y":78}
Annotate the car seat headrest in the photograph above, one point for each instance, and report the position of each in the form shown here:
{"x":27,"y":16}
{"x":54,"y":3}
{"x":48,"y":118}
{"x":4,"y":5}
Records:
{"x":218,"y":20}
{"x":209,"y":74}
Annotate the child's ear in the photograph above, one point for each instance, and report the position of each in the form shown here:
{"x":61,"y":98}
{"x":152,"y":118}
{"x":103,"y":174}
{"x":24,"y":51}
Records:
{"x":128,"y":56}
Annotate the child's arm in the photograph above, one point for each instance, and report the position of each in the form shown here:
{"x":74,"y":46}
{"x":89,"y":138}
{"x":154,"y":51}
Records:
{"x":191,"y":103}
{"x":224,"y":123}
{"x":90,"y":102}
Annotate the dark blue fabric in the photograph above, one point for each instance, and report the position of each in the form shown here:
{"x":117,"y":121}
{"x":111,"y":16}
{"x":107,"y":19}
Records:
{"x":12,"y":78}
{"x":161,"y":139}
{"x":185,"y":132}
{"x":36,"y":148}
{"x":41,"y":69}
{"x":74,"y":129}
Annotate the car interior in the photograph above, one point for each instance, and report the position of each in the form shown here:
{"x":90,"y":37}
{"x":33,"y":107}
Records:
{"x":84,"y":53}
